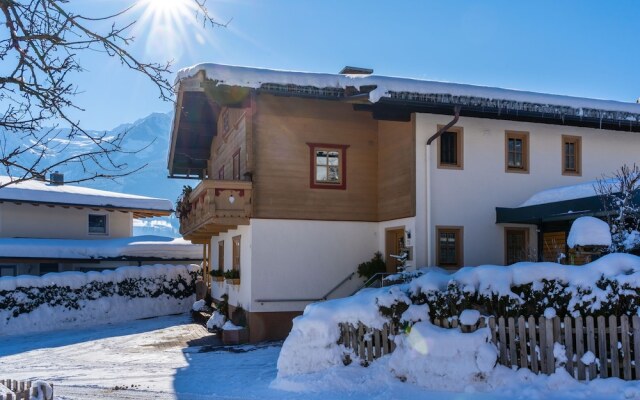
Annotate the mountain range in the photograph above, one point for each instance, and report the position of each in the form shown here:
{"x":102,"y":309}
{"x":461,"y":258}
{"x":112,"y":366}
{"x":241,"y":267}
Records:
{"x":151,"y":134}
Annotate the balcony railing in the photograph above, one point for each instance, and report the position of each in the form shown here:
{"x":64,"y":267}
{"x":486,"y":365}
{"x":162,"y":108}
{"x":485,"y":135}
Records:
{"x":216,"y":206}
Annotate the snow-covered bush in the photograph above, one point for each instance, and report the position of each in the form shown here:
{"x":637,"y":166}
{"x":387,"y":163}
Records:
{"x":38,"y":303}
{"x":607,"y":286}
{"x":618,"y":196}
{"x":216,"y":321}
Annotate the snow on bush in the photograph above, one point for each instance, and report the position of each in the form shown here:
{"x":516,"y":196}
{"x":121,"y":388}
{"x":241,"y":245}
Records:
{"x":72,"y":299}
{"x":589,"y":231}
{"x":441,"y":358}
{"x":449,"y":359}
{"x":198,"y":305}
{"x":216,"y":321}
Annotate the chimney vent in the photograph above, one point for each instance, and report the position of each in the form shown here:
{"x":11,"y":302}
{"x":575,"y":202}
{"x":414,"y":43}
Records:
{"x":56,"y":178}
{"x":356,"y":71}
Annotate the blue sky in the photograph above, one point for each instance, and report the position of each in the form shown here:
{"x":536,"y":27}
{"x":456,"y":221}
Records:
{"x":581,"y":48}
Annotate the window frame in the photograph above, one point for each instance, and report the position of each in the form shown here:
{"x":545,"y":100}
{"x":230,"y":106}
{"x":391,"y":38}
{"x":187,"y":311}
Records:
{"x":577,"y":142}
{"x":221,"y":255}
{"x":221,"y":173}
{"x":459,"y":131}
{"x":236,"y":169}
{"x":459,"y":232}
{"x":524,"y":136}
{"x":509,"y":229}
{"x":236,"y":242}
{"x":342,"y":163}
{"x":106,"y":224}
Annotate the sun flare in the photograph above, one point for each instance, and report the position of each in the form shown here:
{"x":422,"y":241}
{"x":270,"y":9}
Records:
{"x":170,"y":27}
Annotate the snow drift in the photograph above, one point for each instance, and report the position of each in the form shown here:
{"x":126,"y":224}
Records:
{"x":75,"y":299}
{"x":447,"y":359}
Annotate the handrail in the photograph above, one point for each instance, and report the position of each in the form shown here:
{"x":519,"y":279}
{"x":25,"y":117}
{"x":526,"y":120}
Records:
{"x":374,"y":277}
{"x":342,"y":282}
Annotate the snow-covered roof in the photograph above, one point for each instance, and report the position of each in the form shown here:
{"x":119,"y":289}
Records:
{"x":571,"y":192}
{"x":562,"y":193}
{"x":146,"y":247}
{"x":589,"y":231}
{"x":34,"y":191}
{"x":407,"y":88}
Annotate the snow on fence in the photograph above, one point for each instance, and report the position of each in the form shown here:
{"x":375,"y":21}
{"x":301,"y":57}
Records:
{"x":587,"y":347}
{"x":11,"y":389}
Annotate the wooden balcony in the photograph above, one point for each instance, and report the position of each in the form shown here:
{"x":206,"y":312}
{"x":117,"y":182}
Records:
{"x":216,"y":207}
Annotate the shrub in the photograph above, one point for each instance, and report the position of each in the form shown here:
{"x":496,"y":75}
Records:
{"x":216,"y":272}
{"x":232,"y":274}
{"x":369,"y":268}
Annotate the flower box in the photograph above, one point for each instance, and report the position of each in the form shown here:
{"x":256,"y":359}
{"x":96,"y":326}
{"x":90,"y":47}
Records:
{"x":233,"y":281}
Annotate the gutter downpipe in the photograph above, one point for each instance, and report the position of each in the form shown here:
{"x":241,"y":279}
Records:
{"x":430,"y":251}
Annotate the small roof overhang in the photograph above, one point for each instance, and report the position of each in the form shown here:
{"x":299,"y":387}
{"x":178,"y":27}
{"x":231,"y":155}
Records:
{"x":554,"y":211}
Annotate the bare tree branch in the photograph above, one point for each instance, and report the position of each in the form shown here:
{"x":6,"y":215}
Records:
{"x":39,"y":51}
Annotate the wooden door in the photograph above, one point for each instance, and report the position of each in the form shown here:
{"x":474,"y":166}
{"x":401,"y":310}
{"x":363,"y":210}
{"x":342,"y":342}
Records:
{"x":554,"y":244}
{"x":394,"y":244}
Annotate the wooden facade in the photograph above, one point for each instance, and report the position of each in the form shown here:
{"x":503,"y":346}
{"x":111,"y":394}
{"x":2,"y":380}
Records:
{"x":269,"y":142}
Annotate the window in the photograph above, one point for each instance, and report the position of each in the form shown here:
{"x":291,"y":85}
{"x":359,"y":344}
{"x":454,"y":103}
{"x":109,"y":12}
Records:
{"x":516,"y":245}
{"x":328,"y":166}
{"x":8,"y":270}
{"x":97,"y":224}
{"x":449,"y":246}
{"x":571,"y":155}
{"x":46,"y":268}
{"x":450,"y":147}
{"x":221,"y":173}
{"x":221,"y":255}
{"x":517,"y":151}
{"x":236,"y":165}
{"x":236,"y":253}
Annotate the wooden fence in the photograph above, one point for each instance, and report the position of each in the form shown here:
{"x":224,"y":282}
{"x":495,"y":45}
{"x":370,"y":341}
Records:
{"x":594,"y":347}
{"x":22,"y":390}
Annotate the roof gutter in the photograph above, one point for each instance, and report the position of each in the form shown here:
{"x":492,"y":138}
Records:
{"x":430,"y":256}
{"x":456,"y":116}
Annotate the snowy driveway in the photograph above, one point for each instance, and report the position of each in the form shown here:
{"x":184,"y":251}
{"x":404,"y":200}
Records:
{"x":158,"y":359}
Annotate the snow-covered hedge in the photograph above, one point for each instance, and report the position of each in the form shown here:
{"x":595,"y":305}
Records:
{"x":69,"y":299}
{"x":607,"y":286}
{"x":429,"y":355}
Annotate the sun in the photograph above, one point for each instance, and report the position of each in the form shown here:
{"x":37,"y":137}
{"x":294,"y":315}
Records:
{"x":169,"y":26}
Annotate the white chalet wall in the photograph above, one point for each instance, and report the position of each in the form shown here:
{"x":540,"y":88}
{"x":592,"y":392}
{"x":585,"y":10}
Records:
{"x":293,"y":259}
{"x":26,"y":220}
{"x":468,"y":197}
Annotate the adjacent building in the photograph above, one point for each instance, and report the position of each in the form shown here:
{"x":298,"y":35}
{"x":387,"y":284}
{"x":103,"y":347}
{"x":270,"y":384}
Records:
{"x":303,"y":176}
{"x":55,"y":227}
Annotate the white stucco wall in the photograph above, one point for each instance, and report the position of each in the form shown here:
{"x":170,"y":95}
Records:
{"x":293,"y":259}
{"x":468,"y":197}
{"x":26,"y":220}
{"x":239,"y":295}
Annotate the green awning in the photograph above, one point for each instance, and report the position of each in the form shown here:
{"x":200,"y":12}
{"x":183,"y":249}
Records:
{"x":553,"y":211}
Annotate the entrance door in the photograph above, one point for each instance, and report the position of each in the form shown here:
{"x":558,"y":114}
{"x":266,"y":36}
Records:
{"x":554,"y":244}
{"x":394,"y":244}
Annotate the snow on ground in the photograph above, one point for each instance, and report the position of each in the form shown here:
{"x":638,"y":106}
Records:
{"x":137,"y":246}
{"x":151,"y":359}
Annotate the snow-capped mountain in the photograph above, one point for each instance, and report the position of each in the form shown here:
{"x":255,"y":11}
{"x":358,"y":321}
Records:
{"x":152,"y":135}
